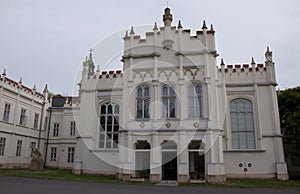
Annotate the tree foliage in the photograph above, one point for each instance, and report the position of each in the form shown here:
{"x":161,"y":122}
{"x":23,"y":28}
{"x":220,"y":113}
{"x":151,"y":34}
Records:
{"x":289,"y":110}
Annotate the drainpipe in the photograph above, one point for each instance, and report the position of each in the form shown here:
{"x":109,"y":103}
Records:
{"x":47,"y":141}
{"x":41,"y":125}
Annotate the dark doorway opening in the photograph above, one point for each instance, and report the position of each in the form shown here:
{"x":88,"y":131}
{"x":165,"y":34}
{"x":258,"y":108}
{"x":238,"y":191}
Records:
{"x":169,"y":160}
{"x":169,"y":168}
{"x":196,"y":160}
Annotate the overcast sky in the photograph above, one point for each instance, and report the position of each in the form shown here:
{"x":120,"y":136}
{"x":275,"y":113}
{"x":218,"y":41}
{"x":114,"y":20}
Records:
{"x":44,"y":42}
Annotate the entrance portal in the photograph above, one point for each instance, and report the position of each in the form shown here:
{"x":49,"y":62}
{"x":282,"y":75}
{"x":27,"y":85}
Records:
{"x":196,"y":161}
{"x":169,"y":160}
{"x":142,"y":159}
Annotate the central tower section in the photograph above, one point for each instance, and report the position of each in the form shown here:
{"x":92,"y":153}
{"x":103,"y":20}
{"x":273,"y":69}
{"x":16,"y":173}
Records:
{"x":169,"y":95}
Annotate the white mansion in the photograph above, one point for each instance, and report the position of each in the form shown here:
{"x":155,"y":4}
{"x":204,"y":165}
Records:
{"x":171,"y":114}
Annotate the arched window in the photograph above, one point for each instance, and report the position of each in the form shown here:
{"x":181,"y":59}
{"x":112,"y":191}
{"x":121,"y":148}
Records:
{"x":142,"y":102}
{"x":242,"y":124}
{"x":169,"y":102}
{"x":109,"y":125}
{"x":195,"y":100}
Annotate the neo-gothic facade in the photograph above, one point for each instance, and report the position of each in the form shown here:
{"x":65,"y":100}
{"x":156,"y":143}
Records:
{"x":172,"y":113}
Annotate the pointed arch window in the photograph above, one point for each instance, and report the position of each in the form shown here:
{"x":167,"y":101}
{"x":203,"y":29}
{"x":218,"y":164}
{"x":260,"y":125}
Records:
{"x":169,"y":102}
{"x":195,"y":97}
{"x":142,"y":102}
{"x":242,"y":124}
{"x":109,"y":126}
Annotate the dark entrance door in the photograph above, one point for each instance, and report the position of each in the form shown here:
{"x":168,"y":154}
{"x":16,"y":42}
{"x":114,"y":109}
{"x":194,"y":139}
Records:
{"x":169,"y":167}
{"x":196,"y":166}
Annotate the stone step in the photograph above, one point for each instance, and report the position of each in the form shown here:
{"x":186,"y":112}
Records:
{"x":168,"y":183}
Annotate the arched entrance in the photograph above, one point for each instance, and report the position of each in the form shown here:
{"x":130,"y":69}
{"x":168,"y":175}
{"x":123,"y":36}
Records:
{"x":169,"y":160}
{"x":142,"y":159}
{"x":196,"y":160}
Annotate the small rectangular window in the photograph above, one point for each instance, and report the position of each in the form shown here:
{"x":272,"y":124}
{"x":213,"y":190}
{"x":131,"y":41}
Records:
{"x":2,"y":145}
{"x":36,"y":121}
{"x":32,"y":148}
{"x":72,"y":128}
{"x":23,"y":117}
{"x":6,"y":112}
{"x":53,"y":154}
{"x":19,"y":148}
{"x":55,"y":129}
{"x":71,"y":153}
{"x":46,"y":123}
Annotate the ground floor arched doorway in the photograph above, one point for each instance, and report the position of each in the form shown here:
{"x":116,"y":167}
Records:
{"x":142,"y":159}
{"x":196,"y":160}
{"x":169,"y":160}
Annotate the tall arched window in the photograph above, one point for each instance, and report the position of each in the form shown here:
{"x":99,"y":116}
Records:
{"x":142,"y":102}
{"x":195,"y":100}
{"x":242,"y":124}
{"x":109,"y":125}
{"x":169,"y":102}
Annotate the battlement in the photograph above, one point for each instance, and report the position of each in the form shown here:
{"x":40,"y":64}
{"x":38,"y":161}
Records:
{"x":157,"y":38}
{"x":106,"y":75}
{"x":169,"y":37}
{"x":18,"y":87}
{"x":249,"y":73}
{"x":243,"y":68}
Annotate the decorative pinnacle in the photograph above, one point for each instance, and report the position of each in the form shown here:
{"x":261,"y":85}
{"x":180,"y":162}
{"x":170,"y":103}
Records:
{"x":46,"y":89}
{"x":252,"y":61}
{"x":98,"y":68}
{"x":269,"y":55}
{"x":268,"y":52}
{"x":4,"y":72}
{"x":126,"y":34}
{"x":34,"y":87}
{"x":179,"y":25}
{"x":155,"y":26}
{"x":131,"y":31}
{"x":204,"y":25}
{"x":20,"y":81}
{"x":212,"y":28}
{"x":90,"y":62}
{"x":222,"y":62}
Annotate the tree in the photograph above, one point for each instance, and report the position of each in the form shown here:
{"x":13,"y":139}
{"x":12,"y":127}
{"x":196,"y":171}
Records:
{"x":289,"y":110}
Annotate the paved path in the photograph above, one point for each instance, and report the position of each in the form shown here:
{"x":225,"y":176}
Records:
{"x":15,"y":185}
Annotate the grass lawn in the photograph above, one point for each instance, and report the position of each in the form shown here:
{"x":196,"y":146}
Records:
{"x":59,"y":174}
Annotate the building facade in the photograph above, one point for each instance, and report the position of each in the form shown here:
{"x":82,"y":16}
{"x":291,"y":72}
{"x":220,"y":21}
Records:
{"x":171,"y":113}
{"x":22,"y":117}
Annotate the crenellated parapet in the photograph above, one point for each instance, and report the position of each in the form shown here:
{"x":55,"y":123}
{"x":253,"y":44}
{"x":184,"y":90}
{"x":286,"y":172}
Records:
{"x":105,"y":75}
{"x":18,"y":88}
{"x":169,"y":38}
{"x":252,"y":73}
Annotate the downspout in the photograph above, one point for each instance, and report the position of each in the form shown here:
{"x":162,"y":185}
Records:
{"x":47,"y":141}
{"x":41,"y":124}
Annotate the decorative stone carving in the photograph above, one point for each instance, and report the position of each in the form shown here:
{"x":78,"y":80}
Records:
{"x":168,"y":124}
